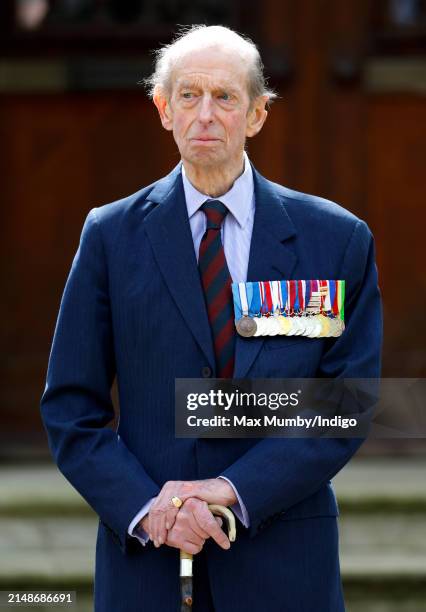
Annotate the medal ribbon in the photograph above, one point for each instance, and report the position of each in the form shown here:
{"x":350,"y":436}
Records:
{"x":267,"y":287}
{"x":315,"y":290}
{"x":301,"y":294}
{"x":249,"y":293}
{"x":237,"y":303}
{"x":333,"y":296}
{"x":323,"y":292}
{"x":341,"y":298}
{"x":256,"y":299}
{"x":243,"y":298}
{"x":263,"y":308}
{"x":296,"y":295}
{"x":308,"y":292}
{"x":291,"y":296}
{"x":275,"y":296}
{"x":327,"y":300}
{"x":283,"y":295}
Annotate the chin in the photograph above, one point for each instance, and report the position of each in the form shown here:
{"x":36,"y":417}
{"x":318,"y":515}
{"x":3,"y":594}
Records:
{"x":206,"y":157}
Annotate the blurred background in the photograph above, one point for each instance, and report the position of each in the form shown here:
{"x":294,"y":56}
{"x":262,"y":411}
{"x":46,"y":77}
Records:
{"x":77,"y":131}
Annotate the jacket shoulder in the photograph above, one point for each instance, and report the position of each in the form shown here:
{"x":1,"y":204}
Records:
{"x":313,"y":206}
{"x":316,"y":216}
{"x":113,"y":211}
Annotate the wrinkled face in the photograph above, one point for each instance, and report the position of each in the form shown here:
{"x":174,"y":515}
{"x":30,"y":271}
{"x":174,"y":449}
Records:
{"x":209,"y":108}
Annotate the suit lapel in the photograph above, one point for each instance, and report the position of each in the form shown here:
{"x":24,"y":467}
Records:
{"x":169,"y":233}
{"x":170,"y":236}
{"x":270,"y":258}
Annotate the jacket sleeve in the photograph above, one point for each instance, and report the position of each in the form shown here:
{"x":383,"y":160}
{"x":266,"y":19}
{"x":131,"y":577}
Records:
{"x":277,"y":473}
{"x":76,"y":405}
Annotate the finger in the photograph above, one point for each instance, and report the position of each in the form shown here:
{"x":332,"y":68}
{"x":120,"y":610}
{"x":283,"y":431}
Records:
{"x":187,"y":528}
{"x":184,"y":490}
{"x":193,"y":548}
{"x":219,"y":521}
{"x":170,"y":490}
{"x":196,"y":527}
{"x":163,"y":512}
{"x":171,"y":515}
{"x":187,"y":513}
{"x":207,"y":522}
{"x":177,"y":537}
{"x":158,"y":530}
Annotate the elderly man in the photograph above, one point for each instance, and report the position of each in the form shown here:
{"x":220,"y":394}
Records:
{"x":148,"y":300}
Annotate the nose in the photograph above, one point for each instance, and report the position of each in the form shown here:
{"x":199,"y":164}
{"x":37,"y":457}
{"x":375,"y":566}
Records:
{"x":205,"y":109}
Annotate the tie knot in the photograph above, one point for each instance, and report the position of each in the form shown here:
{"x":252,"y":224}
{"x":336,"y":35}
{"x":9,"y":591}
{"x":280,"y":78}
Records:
{"x":215,"y":212}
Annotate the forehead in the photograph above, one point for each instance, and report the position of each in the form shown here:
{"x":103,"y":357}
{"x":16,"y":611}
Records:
{"x":211,"y":68}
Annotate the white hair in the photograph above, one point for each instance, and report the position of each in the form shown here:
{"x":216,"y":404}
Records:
{"x":203,"y":37}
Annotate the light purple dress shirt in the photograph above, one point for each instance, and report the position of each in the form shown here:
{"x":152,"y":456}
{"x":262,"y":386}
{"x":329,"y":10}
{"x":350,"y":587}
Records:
{"x":236,"y":234}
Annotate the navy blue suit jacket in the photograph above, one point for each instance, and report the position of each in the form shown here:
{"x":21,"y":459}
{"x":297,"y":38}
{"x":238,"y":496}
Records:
{"x":133,"y":307}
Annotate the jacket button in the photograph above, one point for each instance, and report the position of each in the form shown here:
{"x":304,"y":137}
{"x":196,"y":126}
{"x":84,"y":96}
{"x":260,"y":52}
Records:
{"x":206,"y":372}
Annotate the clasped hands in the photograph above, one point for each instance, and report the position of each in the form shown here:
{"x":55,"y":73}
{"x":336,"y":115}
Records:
{"x":189,"y":526}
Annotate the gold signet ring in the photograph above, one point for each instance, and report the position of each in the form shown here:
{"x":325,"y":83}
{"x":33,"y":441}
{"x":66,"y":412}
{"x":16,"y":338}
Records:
{"x":176,"y":501}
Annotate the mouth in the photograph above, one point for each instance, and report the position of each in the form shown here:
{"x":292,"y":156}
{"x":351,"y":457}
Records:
{"x":205,"y":139}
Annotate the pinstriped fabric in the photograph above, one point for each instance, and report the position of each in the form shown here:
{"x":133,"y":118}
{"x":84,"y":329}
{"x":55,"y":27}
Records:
{"x":216,"y":282}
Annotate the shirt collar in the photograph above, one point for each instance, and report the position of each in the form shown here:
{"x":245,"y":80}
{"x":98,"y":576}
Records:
{"x":238,"y":199}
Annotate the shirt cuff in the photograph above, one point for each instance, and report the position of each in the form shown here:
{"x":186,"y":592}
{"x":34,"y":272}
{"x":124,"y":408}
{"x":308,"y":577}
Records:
{"x":239,"y":508}
{"x":135,"y":530}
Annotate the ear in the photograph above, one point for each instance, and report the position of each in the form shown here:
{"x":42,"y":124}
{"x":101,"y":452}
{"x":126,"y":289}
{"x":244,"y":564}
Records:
{"x":161,"y":101}
{"x":256,"y":116}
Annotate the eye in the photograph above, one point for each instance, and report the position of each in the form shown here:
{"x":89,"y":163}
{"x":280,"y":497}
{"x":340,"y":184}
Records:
{"x":186,"y":95}
{"x":225,"y":96}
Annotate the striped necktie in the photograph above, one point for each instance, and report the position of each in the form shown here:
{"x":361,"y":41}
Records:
{"x":216,"y":282}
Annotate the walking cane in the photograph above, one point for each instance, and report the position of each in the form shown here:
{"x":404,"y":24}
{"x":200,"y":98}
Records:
{"x":186,"y":558}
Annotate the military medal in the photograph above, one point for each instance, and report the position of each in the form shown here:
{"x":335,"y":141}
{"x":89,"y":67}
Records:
{"x":325,"y":326}
{"x":246,"y":325}
{"x":285,"y":325}
{"x":260,"y":326}
{"x":256,"y":309}
{"x":316,"y":327}
{"x":299,"y":319}
{"x":266,"y":306}
{"x":271,"y":292}
{"x":289,"y":326}
{"x":309,"y":325}
{"x":283,"y":319}
{"x":310,"y":308}
{"x":337,"y":289}
{"x":334,"y":327}
{"x":273,"y":325}
{"x":274,"y":322}
{"x":315,"y":309}
{"x":306,"y":294}
{"x":301,"y":286}
{"x":340,"y":290}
